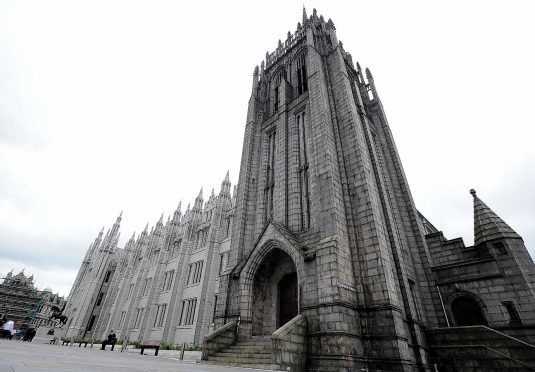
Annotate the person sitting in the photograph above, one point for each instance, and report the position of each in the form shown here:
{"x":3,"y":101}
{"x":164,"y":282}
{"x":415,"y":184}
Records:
{"x":112,"y":339}
{"x":8,"y":328}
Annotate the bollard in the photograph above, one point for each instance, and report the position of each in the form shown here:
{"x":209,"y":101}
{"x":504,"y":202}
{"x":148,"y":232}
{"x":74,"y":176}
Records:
{"x":182,"y":351}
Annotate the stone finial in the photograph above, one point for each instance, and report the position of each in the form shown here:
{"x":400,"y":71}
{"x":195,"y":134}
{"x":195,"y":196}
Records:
{"x":305,"y":17}
{"x":280,"y":44}
{"x":369,"y":75}
{"x":314,"y":13}
{"x":473,"y":192}
{"x":330,"y":24}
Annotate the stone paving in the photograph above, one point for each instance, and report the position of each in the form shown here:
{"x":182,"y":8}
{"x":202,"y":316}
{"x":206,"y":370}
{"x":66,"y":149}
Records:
{"x":17,"y":356}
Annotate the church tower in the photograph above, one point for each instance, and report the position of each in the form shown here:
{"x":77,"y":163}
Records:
{"x":325,"y":225}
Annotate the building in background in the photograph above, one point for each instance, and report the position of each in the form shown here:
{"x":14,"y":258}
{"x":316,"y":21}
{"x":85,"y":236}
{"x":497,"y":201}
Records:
{"x":23,"y":303}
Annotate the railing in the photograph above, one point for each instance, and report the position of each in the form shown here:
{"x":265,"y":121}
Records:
{"x":459,"y":341}
{"x":219,"y":339}
{"x":289,"y":344}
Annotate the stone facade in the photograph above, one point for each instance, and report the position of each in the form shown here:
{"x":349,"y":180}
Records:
{"x":330,"y":265}
{"x":163,"y":285}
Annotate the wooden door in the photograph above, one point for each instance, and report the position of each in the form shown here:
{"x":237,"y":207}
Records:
{"x":287,"y":298}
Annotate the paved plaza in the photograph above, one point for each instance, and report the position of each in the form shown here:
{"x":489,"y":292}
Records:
{"x":17,"y":356}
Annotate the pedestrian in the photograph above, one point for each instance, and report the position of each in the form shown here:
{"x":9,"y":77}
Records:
{"x":111,"y":340}
{"x":7,"y":328}
{"x":2,"y":319}
{"x":125,"y":344}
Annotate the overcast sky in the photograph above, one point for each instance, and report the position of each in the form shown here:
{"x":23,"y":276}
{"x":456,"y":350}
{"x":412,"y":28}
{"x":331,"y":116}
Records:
{"x":135,"y":105}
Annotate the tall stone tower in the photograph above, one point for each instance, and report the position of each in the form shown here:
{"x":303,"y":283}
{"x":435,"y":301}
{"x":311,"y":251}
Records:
{"x":325,"y":224}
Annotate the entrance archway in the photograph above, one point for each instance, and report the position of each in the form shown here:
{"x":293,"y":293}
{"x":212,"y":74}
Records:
{"x":275,"y":293}
{"x":466,"y":311}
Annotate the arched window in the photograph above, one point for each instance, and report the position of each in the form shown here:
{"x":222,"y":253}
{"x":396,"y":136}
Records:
{"x":302,"y":83}
{"x":466,"y":311}
{"x":278,"y":77}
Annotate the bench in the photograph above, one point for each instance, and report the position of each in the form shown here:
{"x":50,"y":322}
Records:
{"x":80,"y":342}
{"x":150,"y":345}
{"x":66,"y":341}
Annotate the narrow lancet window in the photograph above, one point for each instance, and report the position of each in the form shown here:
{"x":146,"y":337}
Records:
{"x":302,"y":83}
{"x":270,"y":177}
{"x":303,"y":172}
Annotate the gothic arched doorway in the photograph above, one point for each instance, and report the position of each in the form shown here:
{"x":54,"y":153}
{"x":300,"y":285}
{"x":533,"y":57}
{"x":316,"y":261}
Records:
{"x":466,"y":311}
{"x":275,"y":293}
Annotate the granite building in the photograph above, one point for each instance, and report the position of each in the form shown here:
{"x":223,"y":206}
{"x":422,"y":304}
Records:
{"x":320,"y":260}
{"x":331,"y":265}
{"x":162,"y":285}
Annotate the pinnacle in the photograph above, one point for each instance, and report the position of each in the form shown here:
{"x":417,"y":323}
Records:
{"x":200,"y":194}
{"x":227,"y":177}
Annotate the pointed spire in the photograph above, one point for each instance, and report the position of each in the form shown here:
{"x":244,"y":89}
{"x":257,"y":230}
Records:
{"x":304,"y":16}
{"x":225,"y":185}
{"x":120,"y":217}
{"x":487,"y":224}
{"x":369,"y":75}
{"x":256,"y":73}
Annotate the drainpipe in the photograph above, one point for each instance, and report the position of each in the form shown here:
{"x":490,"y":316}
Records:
{"x":443,"y":308}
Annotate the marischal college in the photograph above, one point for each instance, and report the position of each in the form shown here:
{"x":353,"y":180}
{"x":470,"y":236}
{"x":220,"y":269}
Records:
{"x":319,"y":259}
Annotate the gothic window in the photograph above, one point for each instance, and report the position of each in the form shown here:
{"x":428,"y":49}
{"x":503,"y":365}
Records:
{"x":121,"y":322}
{"x":270,"y":177}
{"x":302,"y":82}
{"x":215,"y":306}
{"x":303,"y":171}
{"x":147,"y":286}
{"x":187,"y":314}
{"x":139,"y":317}
{"x":107,"y":278}
{"x":195,"y":272}
{"x":514,"y":318}
{"x":100,"y":297}
{"x":280,"y":75}
{"x":160,"y":315}
{"x":130,"y":290}
{"x":91,"y":322}
{"x":222,"y":260}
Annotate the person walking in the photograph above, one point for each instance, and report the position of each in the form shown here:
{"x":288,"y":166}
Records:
{"x":125,"y":344}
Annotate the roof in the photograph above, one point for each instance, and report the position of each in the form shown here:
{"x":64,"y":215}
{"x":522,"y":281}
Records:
{"x":488,"y":225}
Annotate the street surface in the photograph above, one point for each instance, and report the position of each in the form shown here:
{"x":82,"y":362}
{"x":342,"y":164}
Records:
{"x":18,"y":356}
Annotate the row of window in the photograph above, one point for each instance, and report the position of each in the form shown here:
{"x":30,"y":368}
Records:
{"x":187,"y":314}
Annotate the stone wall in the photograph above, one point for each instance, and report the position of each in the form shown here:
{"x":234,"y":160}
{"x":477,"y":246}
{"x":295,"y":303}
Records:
{"x":289,"y":345}
{"x":219,"y":339}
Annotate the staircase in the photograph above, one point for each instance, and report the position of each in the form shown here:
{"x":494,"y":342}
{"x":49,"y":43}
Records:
{"x":254,"y":352}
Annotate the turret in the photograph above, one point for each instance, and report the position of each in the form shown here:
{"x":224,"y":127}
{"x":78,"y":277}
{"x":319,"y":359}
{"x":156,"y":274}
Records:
{"x":488,"y":226}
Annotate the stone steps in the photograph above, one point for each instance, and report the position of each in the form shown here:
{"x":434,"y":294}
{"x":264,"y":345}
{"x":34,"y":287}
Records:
{"x":267,"y":367}
{"x":254,"y":352}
